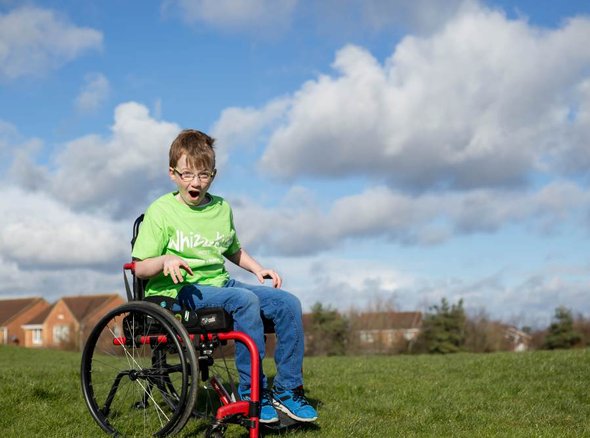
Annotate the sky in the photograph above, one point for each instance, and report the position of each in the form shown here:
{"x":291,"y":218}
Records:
{"x":377,"y":153}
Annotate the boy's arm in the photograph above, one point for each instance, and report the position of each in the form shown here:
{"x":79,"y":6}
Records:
{"x":168,"y":264}
{"x":247,"y":262}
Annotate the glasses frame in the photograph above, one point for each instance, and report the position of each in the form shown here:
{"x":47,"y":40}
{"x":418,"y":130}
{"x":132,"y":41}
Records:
{"x":203,"y":175}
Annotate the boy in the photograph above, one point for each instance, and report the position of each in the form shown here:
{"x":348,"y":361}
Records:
{"x":192,"y":231}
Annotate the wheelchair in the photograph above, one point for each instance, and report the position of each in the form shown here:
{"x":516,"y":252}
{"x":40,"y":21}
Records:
{"x":147,"y":370}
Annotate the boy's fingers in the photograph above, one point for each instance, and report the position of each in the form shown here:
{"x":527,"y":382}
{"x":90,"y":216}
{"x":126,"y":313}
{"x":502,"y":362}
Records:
{"x":176,"y":275}
{"x":277,"y":281}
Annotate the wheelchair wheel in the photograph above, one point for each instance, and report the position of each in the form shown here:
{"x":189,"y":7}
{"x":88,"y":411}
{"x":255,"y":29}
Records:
{"x":139,"y":372}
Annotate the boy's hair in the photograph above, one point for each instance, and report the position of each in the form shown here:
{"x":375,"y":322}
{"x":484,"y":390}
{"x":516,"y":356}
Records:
{"x":198,"y":148}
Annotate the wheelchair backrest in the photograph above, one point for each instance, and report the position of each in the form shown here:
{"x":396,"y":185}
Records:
{"x":138,"y":283}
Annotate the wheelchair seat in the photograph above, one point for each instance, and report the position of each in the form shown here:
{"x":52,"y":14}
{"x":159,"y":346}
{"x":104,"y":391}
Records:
{"x":203,"y":320}
{"x":199,"y":321}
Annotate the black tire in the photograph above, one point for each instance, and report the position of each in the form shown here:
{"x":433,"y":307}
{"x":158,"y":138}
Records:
{"x":135,"y":388}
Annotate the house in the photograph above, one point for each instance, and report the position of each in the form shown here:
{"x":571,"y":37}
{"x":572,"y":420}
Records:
{"x":68,"y":323}
{"x":517,"y":339}
{"x":33,"y":329}
{"x":13,"y":313}
{"x":385,"y":332}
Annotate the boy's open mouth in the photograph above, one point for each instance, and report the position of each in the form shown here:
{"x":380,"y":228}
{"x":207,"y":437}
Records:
{"x":194,"y":193}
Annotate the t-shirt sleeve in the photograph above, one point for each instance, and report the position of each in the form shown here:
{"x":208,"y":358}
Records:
{"x":235,"y":245}
{"x":151,"y":239}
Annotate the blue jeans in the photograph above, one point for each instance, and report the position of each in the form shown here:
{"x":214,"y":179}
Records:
{"x":246,"y":303}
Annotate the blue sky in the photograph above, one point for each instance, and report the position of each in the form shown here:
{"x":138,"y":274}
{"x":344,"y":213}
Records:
{"x":376,"y":153}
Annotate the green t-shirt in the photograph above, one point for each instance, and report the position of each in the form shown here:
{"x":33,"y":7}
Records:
{"x":200,"y":235}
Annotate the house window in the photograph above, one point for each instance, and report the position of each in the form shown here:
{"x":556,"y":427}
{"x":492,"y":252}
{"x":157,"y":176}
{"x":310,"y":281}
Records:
{"x":390,"y":336}
{"x":37,"y":339}
{"x":61,"y":333}
{"x":367,"y":337}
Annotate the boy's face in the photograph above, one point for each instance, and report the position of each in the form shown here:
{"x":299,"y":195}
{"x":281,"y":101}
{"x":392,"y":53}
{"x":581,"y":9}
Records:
{"x":191,"y":192}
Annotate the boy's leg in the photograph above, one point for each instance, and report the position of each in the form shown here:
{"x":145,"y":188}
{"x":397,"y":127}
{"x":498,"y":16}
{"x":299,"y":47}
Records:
{"x":284,"y":309}
{"x":244,"y":306}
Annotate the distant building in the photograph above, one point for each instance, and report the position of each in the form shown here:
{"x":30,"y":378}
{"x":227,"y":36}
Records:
{"x":68,"y":323}
{"x":385,"y":332}
{"x":517,"y":339}
{"x":13,"y":313}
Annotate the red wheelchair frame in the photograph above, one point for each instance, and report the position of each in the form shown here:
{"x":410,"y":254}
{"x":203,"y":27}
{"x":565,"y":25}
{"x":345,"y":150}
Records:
{"x":247,"y":409}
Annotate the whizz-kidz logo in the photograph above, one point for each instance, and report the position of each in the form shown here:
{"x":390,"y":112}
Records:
{"x":194,"y":240}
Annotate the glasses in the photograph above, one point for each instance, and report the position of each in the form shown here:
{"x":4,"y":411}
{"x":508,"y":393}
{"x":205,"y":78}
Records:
{"x":203,"y":175}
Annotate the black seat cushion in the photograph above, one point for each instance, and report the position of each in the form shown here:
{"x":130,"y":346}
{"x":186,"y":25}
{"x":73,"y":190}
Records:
{"x":203,"y":320}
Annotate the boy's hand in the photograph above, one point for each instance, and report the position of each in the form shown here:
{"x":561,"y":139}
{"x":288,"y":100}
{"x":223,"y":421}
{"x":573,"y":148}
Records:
{"x":270,"y":274}
{"x":171,"y":266}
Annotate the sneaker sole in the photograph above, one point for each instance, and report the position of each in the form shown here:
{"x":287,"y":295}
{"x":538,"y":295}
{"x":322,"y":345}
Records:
{"x":290,"y":414}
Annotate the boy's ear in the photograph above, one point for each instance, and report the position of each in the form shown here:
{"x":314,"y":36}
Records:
{"x":171,"y":174}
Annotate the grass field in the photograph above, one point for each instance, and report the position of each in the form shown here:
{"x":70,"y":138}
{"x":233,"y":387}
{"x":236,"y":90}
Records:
{"x":537,"y":394}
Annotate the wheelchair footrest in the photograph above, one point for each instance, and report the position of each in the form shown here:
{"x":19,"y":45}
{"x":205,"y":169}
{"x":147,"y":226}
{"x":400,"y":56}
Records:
{"x":236,"y":408}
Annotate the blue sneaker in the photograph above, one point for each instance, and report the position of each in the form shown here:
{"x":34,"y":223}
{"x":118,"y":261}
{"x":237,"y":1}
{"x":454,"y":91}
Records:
{"x":268,"y":414}
{"x":293,"y":403}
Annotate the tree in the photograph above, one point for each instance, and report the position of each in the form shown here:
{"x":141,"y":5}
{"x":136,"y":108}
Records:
{"x":443,"y":329}
{"x":561,"y":333}
{"x":329,"y":332}
{"x":483,"y":334}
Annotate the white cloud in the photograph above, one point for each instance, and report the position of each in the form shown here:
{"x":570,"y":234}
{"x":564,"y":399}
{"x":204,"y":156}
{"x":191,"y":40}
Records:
{"x":528,"y":301}
{"x":244,"y":127}
{"x":116,"y":176}
{"x":337,"y":17}
{"x":418,"y":15}
{"x":250,"y":15}
{"x":16,"y":153}
{"x":35,"y":40}
{"x":53,"y":283}
{"x":120,"y":174}
{"x":482,"y":103}
{"x":337,"y":281}
{"x":384,"y":214}
{"x":43,"y":233}
{"x":7,"y":131}
{"x":572,"y":155}
{"x":94,"y":92}
{"x":8,"y":137}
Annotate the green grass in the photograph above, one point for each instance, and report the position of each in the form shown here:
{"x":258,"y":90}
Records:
{"x":538,"y":394}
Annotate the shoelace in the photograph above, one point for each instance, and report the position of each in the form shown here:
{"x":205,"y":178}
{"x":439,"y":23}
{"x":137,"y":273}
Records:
{"x":299,"y":396}
{"x":266,"y":397}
